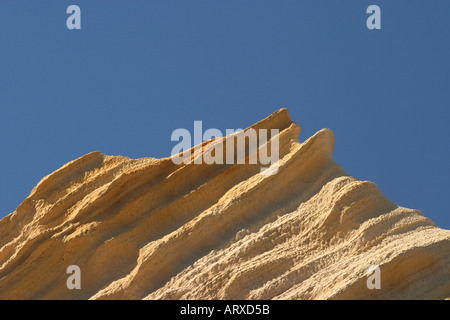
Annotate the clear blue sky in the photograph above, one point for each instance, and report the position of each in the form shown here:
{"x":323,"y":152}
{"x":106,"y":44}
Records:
{"x":137,"y":70}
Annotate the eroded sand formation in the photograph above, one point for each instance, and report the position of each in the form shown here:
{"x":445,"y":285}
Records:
{"x":150,"y":229}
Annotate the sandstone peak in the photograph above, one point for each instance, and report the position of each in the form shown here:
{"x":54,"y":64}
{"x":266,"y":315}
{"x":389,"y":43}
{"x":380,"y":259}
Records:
{"x":151,"y":229}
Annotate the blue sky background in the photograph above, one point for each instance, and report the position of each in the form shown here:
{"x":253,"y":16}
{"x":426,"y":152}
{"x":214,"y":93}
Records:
{"x":137,"y":70}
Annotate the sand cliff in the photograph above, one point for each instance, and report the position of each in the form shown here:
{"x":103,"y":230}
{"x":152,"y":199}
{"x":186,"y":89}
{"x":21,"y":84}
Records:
{"x":150,"y":229}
